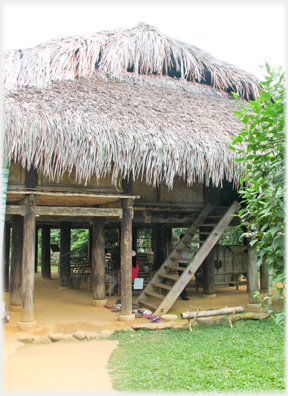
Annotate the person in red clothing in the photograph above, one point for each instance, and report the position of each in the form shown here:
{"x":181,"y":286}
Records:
{"x":135,"y":265}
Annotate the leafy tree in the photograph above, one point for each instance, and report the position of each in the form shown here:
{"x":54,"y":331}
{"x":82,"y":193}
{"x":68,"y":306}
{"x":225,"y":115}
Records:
{"x":260,"y":149}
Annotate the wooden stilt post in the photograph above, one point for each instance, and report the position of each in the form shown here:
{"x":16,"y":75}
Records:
{"x":208,"y":275}
{"x":46,"y":256}
{"x":6,"y":255}
{"x":15,"y":296}
{"x":36,"y":250}
{"x":252,"y":278}
{"x":28,"y":259}
{"x":264,"y":278}
{"x":126,"y":261}
{"x":90,"y":242}
{"x":98,"y":262}
{"x":65,"y":242}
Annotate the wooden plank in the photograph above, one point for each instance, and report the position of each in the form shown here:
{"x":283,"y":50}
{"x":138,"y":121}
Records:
{"x":162,"y":285}
{"x":28,"y":260}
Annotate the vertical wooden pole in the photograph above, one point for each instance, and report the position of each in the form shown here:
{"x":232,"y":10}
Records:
{"x":46,"y":256}
{"x":134,"y":238}
{"x":28,"y":259}
{"x":6,"y":255}
{"x":126,"y":258}
{"x":90,"y":243}
{"x":36,"y":250}
{"x":15,"y":296}
{"x":208,"y":274}
{"x":98,"y":261}
{"x":65,"y":242}
{"x":252,"y":275}
{"x":264,"y":278}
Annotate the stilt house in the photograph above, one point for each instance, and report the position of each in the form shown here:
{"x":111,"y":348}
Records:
{"x":125,"y":129}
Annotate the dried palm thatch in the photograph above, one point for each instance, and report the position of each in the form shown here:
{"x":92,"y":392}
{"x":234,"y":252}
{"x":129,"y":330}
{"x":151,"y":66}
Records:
{"x":74,"y":102}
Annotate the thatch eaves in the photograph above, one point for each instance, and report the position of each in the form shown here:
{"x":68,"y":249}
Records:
{"x":102,"y":126}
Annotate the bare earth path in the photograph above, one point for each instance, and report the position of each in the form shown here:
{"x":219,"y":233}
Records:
{"x":78,"y":366}
{"x":70,"y":366}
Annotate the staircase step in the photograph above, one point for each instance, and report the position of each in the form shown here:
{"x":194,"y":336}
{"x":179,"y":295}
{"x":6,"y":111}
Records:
{"x":174,"y":267}
{"x":196,"y":241}
{"x":147,"y":304}
{"x":192,"y":250}
{"x":161,"y":285}
{"x":157,"y":295}
{"x":167,"y":276}
{"x":180,"y":258}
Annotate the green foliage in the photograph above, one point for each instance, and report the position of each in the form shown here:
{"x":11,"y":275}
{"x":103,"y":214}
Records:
{"x":260,"y":149}
{"x":79,"y":243}
{"x":250,"y":357}
{"x":231,"y":236}
{"x":144,"y":240}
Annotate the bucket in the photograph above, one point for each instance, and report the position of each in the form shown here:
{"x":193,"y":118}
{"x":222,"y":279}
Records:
{"x":75,"y":282}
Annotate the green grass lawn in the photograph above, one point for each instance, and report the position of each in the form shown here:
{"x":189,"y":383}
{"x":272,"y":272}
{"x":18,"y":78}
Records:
{"x":249,"y":357}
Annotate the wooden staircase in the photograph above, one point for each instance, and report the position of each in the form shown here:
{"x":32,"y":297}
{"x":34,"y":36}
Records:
{"x":164,"y":288}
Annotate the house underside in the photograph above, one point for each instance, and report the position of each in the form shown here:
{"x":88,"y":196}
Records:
{"x":35,"y":202}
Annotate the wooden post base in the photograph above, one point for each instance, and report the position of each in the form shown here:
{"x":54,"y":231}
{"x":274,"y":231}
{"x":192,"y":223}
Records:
{"x":99,"y":303}
{"x":26,"y":325}
{"x":15,"y":308}
{"x":126,"y":318}
{"x":209,"y":295}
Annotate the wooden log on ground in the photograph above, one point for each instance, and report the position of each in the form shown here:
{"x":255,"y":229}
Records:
{"x":222,"y":311}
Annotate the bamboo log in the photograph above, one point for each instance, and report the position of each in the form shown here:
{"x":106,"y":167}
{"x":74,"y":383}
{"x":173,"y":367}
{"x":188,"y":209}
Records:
{"x":222,"y":311}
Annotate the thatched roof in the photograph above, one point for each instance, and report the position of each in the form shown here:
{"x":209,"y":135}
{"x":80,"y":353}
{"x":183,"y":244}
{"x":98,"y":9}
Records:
{"x":74,"y":102}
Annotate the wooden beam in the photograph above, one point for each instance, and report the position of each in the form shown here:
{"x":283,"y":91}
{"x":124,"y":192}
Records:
{"x":126,"y":258}
{"x":28,"y":260}
{"x":16,"y":261}
{"x":66,"y":211}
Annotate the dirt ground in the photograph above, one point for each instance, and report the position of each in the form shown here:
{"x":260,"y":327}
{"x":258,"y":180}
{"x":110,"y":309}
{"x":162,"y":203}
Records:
{"x":73,"y":365}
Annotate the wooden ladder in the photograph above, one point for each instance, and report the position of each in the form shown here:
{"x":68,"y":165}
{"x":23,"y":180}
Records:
{"x":166,"y":294}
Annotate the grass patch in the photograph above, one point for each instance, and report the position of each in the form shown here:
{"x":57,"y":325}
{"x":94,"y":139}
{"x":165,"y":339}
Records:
{"x":248,"y":357}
